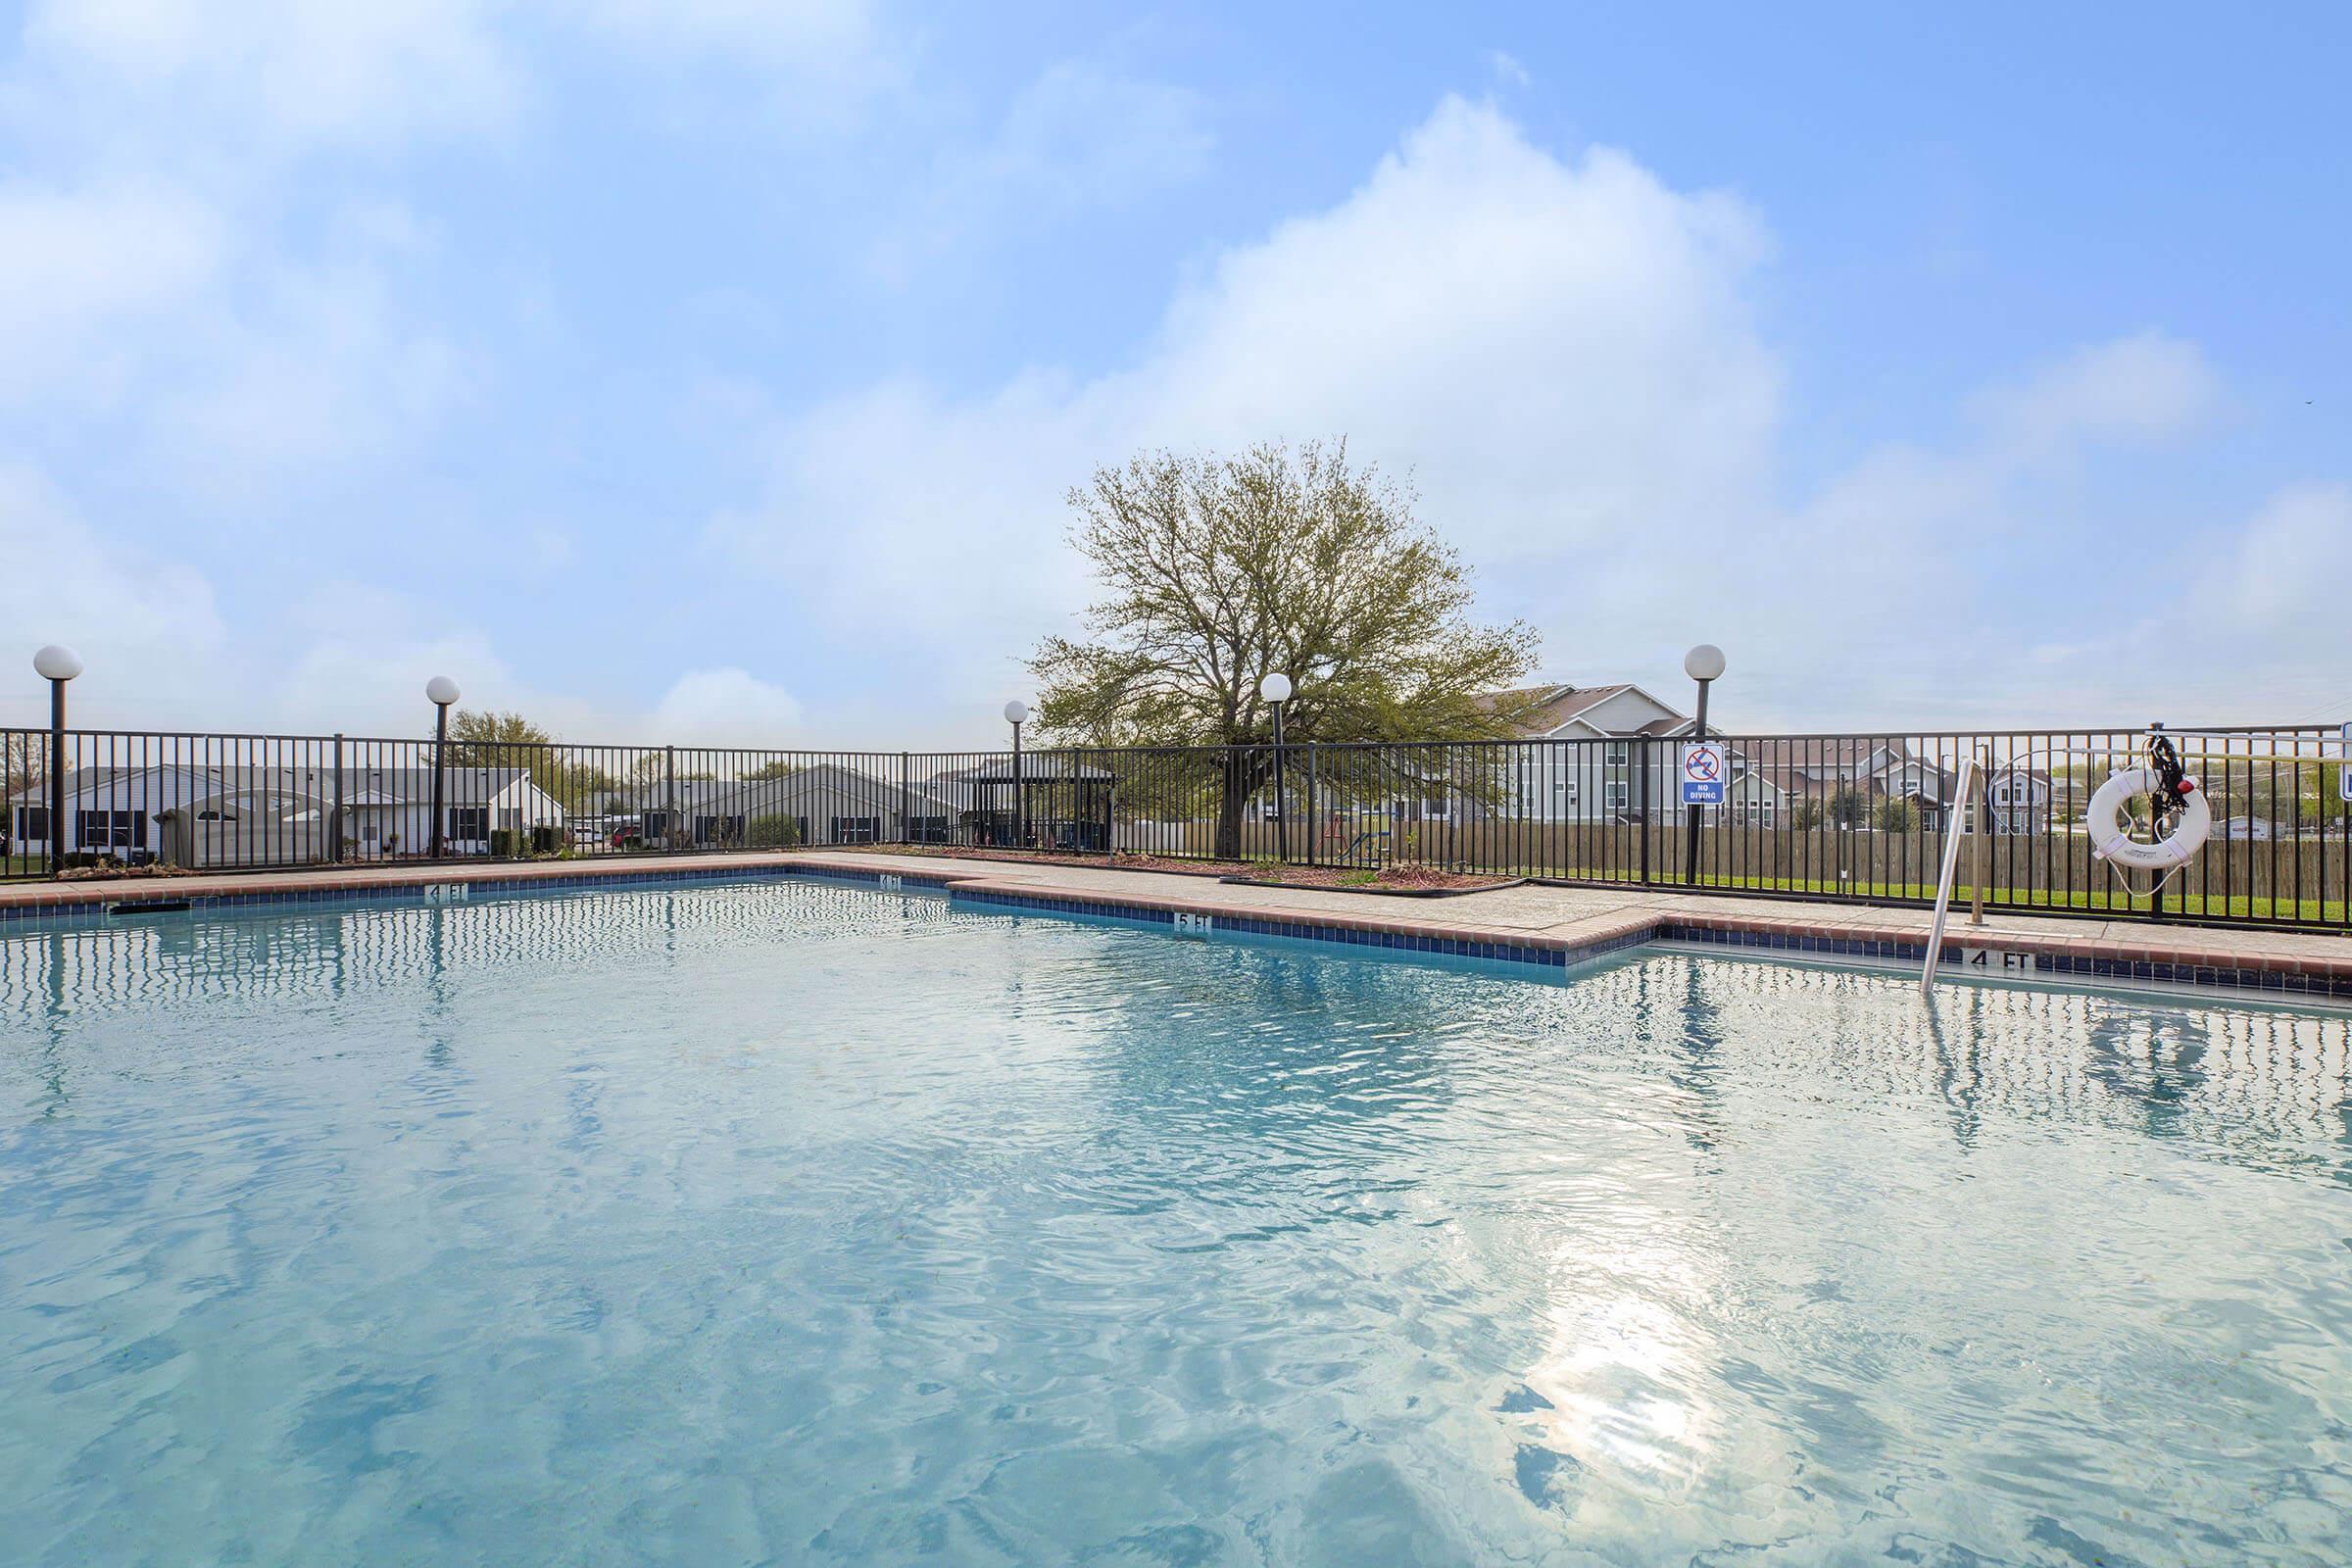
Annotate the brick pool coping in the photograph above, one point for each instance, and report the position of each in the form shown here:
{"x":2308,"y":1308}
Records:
{"x":1544,"y":926}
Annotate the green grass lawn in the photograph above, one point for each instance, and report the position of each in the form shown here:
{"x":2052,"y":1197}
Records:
{"x":2308,"y":911}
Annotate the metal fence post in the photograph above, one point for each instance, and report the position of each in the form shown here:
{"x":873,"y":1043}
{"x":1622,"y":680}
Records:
{"x":1311,"y":821}
{"x":1642,"y":814}
{"x":1982,"y":812}
{"x":669,"y":796}
{"x":334,"y":828}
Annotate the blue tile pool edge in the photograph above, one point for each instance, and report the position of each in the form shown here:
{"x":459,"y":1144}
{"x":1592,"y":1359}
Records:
{"x":83,"y":914}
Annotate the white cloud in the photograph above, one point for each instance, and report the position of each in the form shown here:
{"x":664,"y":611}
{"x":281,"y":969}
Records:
{"x":1559,"y":349}
{"x":1562,"y":352}
{"x":2288,"y":570}
{"x":726,"y":707}
{"x":84,"y":272}
{"x":268,"y":73}
{"x":67,"y":585}
{"x":2135,"y":390}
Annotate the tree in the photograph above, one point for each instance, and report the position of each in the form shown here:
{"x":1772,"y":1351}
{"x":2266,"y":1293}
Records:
{"x":476,"y":739}
{"x":1218,"y":571}
{"x":1894,"y":815}
{"x":510,"y":739}
{"x":1848,"y":806}
{"x":1808,"y":815}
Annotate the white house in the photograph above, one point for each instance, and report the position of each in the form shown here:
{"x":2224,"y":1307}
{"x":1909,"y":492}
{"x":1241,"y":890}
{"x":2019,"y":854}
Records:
{"x":245,"y":815}
{"x":825,"y":803}
{"x":1598,"y":773}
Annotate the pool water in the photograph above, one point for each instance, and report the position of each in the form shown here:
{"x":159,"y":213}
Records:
{"x":804,"y":1223}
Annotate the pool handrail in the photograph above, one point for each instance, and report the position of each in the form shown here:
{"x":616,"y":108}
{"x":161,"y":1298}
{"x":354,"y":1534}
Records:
{"x":1962,"y":801}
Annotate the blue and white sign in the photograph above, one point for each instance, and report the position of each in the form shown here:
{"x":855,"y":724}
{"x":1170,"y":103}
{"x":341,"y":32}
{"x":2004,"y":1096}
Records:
{"x":1704,"y":770}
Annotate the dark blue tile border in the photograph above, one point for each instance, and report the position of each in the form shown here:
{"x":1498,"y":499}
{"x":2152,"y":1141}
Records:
{"x":82,"y":914}
{"x":2074,"y":967}
{"x":1545,"y":955}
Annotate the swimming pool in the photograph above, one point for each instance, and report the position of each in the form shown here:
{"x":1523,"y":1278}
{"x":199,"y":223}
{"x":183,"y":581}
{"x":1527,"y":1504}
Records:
{"x":798,"y":1222}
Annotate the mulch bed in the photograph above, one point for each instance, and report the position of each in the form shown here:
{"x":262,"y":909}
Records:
{"x":1397,"y":881}
{"x":1093,"y":862}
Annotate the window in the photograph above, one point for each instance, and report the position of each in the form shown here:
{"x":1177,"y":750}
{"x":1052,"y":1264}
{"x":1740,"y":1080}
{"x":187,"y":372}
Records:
{"x":111,"y":830}
{"x":857,"y":830}
{"x":469,"y":823}
{"x":927,"y":830}
{"x":1565,"y":787}
{"x":32,"y":823}
{"x":1616,"y":796}
{"x":1619,"y":752}
{"x":718,"y":830}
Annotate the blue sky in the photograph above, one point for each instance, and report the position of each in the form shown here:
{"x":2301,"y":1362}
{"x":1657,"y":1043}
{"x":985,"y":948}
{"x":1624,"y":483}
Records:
{"x":714,"y":369}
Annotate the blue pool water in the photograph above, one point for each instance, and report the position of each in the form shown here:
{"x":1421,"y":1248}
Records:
{"x":800,"y":1223}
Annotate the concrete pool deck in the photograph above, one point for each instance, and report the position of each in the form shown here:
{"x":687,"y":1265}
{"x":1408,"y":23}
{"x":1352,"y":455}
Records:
{"x":1547,"y":924}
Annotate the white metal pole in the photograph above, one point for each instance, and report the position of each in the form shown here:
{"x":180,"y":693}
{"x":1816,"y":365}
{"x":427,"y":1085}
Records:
{"x":1944,"y":882}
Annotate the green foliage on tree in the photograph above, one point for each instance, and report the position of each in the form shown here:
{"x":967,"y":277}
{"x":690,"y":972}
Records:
{"x":772,"y":832}
{"x":1894,"y":815}
{"x":489,"y":738}
{"x":1849,"y":806}
{"x":1808,"y":815}
{"x":1218,"y":571}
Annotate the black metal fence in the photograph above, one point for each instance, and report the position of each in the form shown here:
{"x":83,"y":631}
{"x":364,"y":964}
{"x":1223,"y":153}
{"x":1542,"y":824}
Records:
{"x":1858,"y":817}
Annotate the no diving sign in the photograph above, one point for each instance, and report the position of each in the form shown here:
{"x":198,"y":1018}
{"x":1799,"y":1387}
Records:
{"x":1703,"y":772}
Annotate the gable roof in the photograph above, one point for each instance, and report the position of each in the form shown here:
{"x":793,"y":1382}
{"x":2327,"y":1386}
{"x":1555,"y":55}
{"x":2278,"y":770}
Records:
{"x":1557,"y":705}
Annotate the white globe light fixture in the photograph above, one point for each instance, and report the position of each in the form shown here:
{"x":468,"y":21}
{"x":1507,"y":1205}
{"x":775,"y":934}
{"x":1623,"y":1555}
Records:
{"x":1015,"y":711}
{"x":441,"y":690}
{"x":1275,"y":688}
{"x":57,"y":662}
{"x":1703,"y":662}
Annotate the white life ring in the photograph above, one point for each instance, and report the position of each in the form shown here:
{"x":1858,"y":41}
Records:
{"x":2111,"y":834}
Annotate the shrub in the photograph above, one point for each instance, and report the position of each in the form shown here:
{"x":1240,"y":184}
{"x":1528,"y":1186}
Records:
{"x":1808,"y":815}
{"x":502,"y":843}
{"x":1894,"y":815}
{"x":772,"y":832}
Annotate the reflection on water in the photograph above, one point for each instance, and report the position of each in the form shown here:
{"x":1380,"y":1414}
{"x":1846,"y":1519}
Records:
{"x":796,"y":1222}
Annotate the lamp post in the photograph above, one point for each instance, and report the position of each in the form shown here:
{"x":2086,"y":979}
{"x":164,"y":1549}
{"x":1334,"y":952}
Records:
{"x":1015,"y":711}
{"x":1703,"y":665}
{"x":440,"y":691}
{"x":1276,"y":690}
{"x":57,"y":665}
